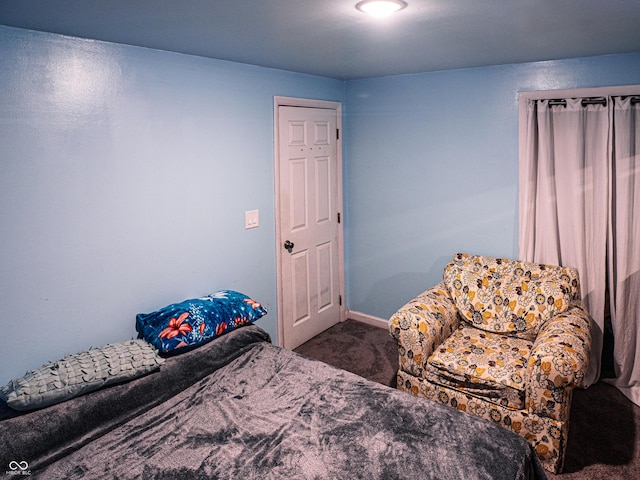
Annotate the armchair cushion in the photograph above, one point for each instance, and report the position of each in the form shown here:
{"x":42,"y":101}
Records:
{"x":506,"y":296}
{"x":492,"y":366}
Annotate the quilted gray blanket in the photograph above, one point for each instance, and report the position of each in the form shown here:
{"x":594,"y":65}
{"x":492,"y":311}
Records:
{"x":268,"y":413}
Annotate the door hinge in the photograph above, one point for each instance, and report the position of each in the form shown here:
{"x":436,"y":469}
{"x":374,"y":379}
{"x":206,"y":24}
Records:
{"x":340,"y":299}
{"x":338,"y":217}
{"x":337,"y":134}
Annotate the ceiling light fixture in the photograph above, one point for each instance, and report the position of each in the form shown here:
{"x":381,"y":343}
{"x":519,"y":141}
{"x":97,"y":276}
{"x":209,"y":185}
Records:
{"x":381,"y":8}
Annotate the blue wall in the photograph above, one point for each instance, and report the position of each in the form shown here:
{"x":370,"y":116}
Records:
{"x":124,"y":177}
{"x":432,"y":169}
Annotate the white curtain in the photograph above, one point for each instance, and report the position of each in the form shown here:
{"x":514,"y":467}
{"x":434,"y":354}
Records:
{"x":624,"y":254}
{"x":574,"y":212}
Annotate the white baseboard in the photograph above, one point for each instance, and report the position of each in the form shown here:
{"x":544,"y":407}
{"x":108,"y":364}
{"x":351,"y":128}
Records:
{"x":368,"y":319}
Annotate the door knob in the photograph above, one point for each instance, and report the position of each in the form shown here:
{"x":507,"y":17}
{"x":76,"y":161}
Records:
{"x":288,"y":245}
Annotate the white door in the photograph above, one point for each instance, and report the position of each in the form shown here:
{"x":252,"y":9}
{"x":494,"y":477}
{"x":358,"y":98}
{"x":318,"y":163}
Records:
{"x":309,"y":229}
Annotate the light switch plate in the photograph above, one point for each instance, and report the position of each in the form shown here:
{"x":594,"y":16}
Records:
{"x":251,"y":219}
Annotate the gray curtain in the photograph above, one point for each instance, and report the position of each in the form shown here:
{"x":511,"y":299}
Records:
{"x":624,"y":246}
{"x":579,"y":207}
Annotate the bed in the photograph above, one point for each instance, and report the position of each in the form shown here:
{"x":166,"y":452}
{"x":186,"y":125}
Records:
{"x":240,"y":407}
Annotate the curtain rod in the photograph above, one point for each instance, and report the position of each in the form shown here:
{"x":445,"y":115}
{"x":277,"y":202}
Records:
{"x":585,"y":101}
{"x":590,"y":101}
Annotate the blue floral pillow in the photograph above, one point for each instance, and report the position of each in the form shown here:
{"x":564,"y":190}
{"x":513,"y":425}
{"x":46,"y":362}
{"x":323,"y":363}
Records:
{"x":191,"y":323}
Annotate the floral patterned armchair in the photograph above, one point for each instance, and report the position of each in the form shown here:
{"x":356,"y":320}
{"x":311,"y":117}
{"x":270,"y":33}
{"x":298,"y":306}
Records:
{"x":501,"y":339}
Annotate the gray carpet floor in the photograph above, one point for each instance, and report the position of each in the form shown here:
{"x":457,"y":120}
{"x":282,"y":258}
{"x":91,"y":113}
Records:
{"x":604,"y":436}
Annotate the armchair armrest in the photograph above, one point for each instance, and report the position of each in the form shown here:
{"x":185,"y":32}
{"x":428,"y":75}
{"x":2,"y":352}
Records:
{"x":558,"y":362}
{"x":421,"y":325}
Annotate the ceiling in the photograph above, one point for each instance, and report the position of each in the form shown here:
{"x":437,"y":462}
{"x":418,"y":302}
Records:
{"x":331,"y":38}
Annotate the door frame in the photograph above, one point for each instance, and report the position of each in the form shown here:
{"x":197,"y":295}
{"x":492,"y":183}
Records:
{"x":307,"y":103}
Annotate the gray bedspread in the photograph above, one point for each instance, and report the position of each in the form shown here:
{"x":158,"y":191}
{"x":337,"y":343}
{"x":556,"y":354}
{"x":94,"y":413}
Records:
{"x":269,"y":413}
